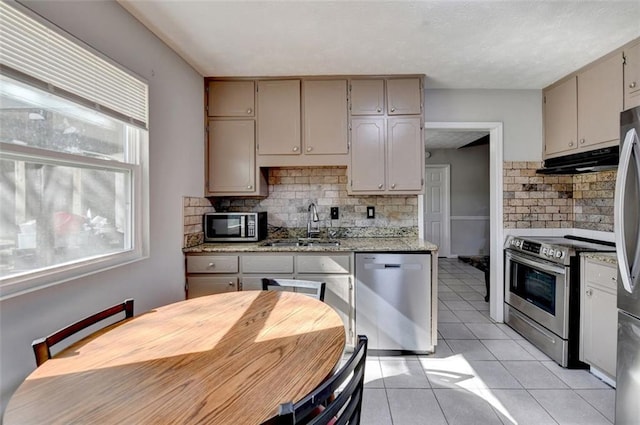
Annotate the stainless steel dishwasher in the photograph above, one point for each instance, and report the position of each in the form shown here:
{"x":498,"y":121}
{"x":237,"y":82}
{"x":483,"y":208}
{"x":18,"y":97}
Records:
{"x":393,"y":301}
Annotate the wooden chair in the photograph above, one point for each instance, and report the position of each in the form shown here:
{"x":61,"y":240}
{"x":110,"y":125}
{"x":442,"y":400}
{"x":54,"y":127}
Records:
{"x":320,"y":407}
{"x":307,"y":287}
{"x":42,"y":346}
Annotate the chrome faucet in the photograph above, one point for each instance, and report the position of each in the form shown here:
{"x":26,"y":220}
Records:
{"x":313,"y":222}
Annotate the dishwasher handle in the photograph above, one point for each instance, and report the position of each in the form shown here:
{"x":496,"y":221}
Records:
{"x":384,"y":266}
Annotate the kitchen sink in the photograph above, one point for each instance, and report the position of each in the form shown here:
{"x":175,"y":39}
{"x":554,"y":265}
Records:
{"x":302,"y":242}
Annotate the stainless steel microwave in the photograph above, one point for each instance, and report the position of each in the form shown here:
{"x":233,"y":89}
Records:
{"x":235,"y":226}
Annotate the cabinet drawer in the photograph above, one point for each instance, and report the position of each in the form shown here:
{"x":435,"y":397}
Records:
{"x":601,"y":274}
{"x":323,"y":263}
{"x":267,"y":263}
{"x":254,"y":283}
{"x":212,"y":264}
{"x":208,"y":285}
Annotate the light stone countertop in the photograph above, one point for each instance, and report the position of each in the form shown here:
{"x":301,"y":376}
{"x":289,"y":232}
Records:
{"x":605,"y":257}
{"x":346,"y":245}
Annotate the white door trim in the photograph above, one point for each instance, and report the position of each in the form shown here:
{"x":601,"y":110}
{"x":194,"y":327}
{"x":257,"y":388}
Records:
{"x":444,"y":249}
{"x":496,"y":309}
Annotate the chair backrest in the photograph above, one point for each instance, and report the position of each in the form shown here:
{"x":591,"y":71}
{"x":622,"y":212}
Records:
{"x":320,"y":407}
{"x":42,"y":346}
{"x":308,"y":287}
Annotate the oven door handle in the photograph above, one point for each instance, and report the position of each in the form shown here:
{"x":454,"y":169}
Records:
{"x":540,"y":265}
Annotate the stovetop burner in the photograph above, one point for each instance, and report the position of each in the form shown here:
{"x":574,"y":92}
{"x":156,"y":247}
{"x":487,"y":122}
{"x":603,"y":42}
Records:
{"x":558,"y":249}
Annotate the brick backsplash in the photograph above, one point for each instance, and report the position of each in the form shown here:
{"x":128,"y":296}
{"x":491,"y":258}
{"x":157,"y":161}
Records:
{"x":292,"y":189}
{"x":533,"y":200}
{"x":193,"y":210}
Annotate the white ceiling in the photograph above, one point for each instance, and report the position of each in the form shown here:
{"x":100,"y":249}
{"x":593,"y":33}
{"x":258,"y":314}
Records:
{"x":512,"y":44}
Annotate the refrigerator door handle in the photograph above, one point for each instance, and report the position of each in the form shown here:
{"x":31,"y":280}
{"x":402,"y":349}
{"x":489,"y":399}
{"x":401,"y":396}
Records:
{"x":628,"y":273}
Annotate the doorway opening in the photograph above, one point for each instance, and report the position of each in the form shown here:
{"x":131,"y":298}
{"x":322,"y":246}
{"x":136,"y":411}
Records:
{"x":496,"y":231}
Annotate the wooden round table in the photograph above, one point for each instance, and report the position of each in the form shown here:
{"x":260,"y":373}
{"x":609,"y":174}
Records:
{"x":221,"y":359}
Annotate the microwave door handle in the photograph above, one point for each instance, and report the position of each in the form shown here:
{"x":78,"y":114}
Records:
{"x":242,"y":226}
{"x":628,"y":274}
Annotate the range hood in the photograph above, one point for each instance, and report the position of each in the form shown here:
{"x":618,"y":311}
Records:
{"x":584,"y":162}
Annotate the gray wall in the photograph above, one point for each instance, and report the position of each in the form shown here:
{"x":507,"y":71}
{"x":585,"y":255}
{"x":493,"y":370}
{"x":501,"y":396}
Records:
{"x":520,"y":111}
{"x":176,"y":151}
{"x":469,"y":175}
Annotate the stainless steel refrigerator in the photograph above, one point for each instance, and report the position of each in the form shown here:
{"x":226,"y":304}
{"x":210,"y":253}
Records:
{"x":627,"y":231}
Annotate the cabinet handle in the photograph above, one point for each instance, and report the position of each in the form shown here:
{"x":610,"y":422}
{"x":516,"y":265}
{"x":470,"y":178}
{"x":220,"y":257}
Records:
{"x":632,"y":85}
{"x":614,"y":279}
{"x":380,"y":186}
{"x":378,"y":109}
{"x":295,"y":149}
{"x":309,"y":149}
{"x":570,"y":143}
{"x":249,"y":111}
{"x":249,"y":187}
{"x":393,"y":109}
{"x":589,"y":292}
{"x":230,"y":283}
{"x":212,"y":265}
{"x":393,"y":186}
{"x":582,"y":141}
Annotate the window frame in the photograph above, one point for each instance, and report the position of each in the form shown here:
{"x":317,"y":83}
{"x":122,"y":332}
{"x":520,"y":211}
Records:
{"x":137,"y":166}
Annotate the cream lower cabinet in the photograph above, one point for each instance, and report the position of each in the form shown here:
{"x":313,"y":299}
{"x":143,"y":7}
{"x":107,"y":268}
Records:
{"x":598,"y":316}
{"x":211,"y":274}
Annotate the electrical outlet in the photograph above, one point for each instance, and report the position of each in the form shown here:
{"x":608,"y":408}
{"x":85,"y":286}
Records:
{"x":335,"y":213}
{"x":371,"y":212}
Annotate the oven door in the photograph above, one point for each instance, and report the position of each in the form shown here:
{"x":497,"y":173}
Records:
{"x":539,"y":289}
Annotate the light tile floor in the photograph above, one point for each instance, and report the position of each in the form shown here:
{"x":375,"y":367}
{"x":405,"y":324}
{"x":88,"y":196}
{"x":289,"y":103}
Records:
{"x":482,"y":372}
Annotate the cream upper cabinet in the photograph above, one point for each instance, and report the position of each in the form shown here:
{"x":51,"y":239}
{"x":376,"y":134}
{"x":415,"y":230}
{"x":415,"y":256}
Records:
{"x":231,"y":99}
{"x":560,"y":117}
{"x":405,"y":154}
{"x":598,"y":315}
{"x":600,"y":99}
{"x":367,"y":97}
{"x":325,"y":117}
{"x":404,"y":96}
{"x":632,"y":76}
{"x":231,"y":167}
{"x":278,"y":117}
{"x":367,"y":169}
{"x":582,"y":112}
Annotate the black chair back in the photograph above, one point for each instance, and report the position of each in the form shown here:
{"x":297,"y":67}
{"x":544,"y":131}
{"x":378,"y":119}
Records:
{"x":320,"y":407}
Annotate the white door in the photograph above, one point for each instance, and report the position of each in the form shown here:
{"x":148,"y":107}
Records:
{"x":436,"y":207}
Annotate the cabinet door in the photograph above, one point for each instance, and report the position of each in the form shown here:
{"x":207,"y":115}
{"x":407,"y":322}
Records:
{"x":279,"y":117}
{"x":338,"y":293}
{"x":367,"y":97}
{"x":632,"y":77}
{"x":600,"y":97}
{"x":325,"y":117}
{"x":405,"y":154}
{"x":600,"y":329}
{"x":404,"y":96}
{"x":231,"y":166}
{"x":560,"y":118}
{"x":333,"y":263}
{"x":208,"y":285}
{"x":367,"y":172}
{"x":231,"y":99}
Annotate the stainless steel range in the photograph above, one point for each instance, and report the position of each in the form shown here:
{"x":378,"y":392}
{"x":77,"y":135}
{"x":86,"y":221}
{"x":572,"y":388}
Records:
{"x":542,"y":292}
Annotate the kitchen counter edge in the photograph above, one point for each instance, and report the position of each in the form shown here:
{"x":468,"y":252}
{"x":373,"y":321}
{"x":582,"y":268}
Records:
{"x":346,"y":245}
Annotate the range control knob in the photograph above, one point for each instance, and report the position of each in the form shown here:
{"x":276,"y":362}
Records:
{"x":545,"y":250}
{"x":559,"y":254}
{"x":551,"y":253}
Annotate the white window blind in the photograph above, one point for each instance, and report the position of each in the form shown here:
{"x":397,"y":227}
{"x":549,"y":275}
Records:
{"x":32,"y":48}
